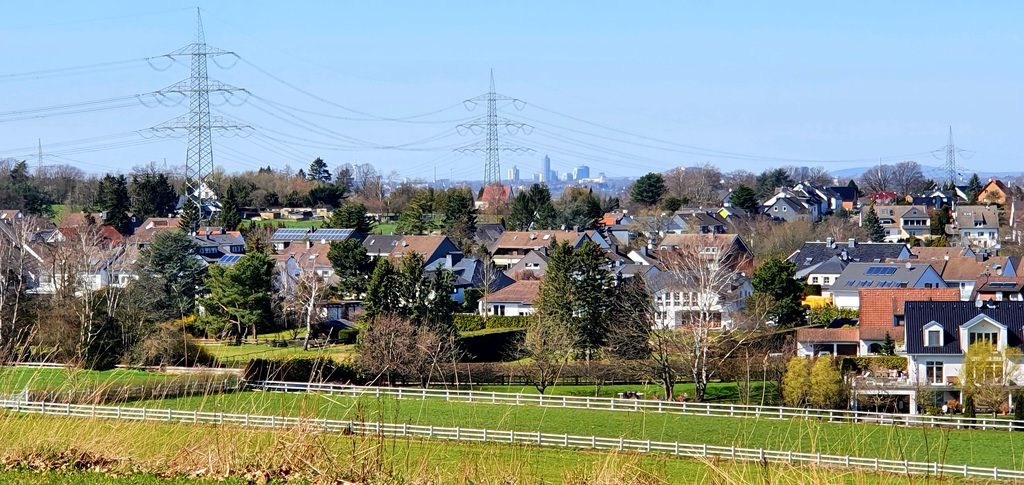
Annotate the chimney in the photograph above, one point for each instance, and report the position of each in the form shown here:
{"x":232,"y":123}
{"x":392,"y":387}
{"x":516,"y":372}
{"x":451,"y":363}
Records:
{"x":449,"y":261}
{"x":853,"y":242}
{"x":829,"y":241}
{"x":309,"y":244}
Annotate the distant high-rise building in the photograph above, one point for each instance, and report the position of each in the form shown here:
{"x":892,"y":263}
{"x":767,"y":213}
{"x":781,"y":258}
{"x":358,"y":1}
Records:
{"x":545,"y":170}
{"x":581,"y":172}
{"x":513,"y":175}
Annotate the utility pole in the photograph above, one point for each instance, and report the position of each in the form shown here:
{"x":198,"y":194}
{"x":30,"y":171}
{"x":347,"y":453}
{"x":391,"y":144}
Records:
{"x":39,"y":159}
{"x":198,"y":123}
{"x":488,"y":125}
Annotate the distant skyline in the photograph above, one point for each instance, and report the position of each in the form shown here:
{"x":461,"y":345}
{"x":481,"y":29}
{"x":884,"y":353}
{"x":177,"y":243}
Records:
{"x":622,"y":89}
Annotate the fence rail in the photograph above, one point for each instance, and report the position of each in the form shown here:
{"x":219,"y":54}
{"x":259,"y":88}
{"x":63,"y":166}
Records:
{"x":648,"y":405}
{"x":509,"y":437}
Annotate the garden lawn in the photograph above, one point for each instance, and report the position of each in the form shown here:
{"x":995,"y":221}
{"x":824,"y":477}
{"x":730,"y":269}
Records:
{"x":977,"y":448}
{"x":180,"y":450}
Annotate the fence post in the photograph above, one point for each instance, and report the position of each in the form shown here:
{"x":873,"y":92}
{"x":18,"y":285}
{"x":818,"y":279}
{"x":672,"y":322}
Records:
{"x":676,"y":451}
{"x":538,"y":438}
{"x":430,"y":432}
{"x":565,"y":440}
{"x":620,"y":443}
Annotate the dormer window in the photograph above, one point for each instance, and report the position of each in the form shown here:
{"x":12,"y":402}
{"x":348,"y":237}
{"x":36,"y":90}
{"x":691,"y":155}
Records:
{"x":933,"y":335}
{"x":988,"y":337}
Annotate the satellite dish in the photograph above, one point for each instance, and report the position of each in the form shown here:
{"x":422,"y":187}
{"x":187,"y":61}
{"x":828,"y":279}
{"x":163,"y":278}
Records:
{"x":909,"y":265}
{"x":978,"y":303}
{"x":999,"y":272}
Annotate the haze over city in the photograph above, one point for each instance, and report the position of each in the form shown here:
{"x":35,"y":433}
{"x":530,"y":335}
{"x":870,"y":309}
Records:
{"x":621,"y":89}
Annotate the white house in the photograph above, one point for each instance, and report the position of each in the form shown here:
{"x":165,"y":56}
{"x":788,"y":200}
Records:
{"x":513,"y":300}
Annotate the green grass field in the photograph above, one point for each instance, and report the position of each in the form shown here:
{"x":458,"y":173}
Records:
{"x":237,"y":356}
{"x":979,"y":448}
{"x":126,"y":449}
{"x":13,"y":379}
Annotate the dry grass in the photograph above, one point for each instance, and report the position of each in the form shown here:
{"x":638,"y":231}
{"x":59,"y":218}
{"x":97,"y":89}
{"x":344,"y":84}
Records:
{"x":306,"y":455}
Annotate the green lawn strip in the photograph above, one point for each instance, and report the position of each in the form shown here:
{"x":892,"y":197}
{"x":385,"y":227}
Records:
{"x":239,"y":355}
{"x":14,"y":379}
{"x":290,"y":223}
{"x":180,"y":450}
{"x":977,"y":448}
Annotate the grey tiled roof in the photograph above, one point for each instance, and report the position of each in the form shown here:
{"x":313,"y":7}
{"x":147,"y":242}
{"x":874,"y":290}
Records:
{"x":812,"y":254}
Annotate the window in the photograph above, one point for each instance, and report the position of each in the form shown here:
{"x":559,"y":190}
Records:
{"x":783,"y":209}
{"x":498,"y":310}
{"x":990,"y":337}
{"x":825,"y":280}
{"x":814,"y":280}
{"x":933,"y":338}
{"x":933,"y":372}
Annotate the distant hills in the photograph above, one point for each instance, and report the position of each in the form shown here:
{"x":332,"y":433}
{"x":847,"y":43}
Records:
{"x":935,"y":173}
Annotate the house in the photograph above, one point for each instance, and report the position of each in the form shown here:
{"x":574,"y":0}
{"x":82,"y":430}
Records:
{"x":283,"y":238}
{"x":884,"y":198}
{"x":999,"y":288}
{"x":378,"y":246}
{"x":994,"y":192}
{"x":494,"y":195}
{"x":700,"y":221}
{"x":531,"y":267}
{"x":900,"y":222}
{"x":302,"y":260}
{"x":964,"y":272}
{"x":935,"y":199}
{"x":939,"y":332}
{"x":487,"y":234}
{"x":513,"y":300}
{"x":431,"y":248}
{"x":514,"y":245}
{"x":676,"y":304}
{"x":881,"y":313}
{"x":468,"y":273}
{"x":214,"y":243}
{"x":788,"y":210}
{"x":813,"y":254}
{"x":846,"y":197}
{"x":976,"y":226}
{"x":857,"y":276}
{"x":145,"y":233}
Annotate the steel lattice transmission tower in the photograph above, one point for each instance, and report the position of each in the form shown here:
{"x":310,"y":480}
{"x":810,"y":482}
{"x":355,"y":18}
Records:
{"x":198,"y":123}
{"x":489,"y":124}
{"x":951,"y":171}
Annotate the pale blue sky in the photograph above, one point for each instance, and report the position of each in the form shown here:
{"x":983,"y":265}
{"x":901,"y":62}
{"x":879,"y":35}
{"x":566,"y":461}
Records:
{"x":798,"y":81}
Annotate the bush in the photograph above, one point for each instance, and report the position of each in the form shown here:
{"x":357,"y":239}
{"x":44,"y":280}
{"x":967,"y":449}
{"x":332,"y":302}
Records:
{"x":167,"y":345}
{"x":348,"y":336}
{"x":861,"y":364}
{"x":302,"y":369}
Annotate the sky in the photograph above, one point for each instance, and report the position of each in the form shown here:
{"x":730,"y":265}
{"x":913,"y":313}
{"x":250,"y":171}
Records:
{"x":622,"y":87}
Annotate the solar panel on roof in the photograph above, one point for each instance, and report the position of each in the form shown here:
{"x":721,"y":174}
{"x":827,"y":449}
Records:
{"x":881,"y":270}
{"x":229,"y":259}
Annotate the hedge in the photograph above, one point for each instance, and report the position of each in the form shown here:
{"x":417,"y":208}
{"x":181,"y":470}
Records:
{"x":468,"y":322}
{"x":302,"y":369}
{"x":348,"y":336}
{"x":861,"y":364}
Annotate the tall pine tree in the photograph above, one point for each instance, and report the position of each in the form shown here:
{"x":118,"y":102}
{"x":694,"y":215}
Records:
{"x":112,"y":198}
{"x":229,"y":217}
{"x":872,"y":226}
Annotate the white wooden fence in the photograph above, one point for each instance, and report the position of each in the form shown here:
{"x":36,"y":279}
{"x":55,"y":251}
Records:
{"x":648,"y":405}
{"x":511,"y":437}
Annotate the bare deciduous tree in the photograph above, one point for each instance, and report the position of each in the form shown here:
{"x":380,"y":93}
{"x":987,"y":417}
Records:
{"x":704,"y":276}
{"x":548,"y":346}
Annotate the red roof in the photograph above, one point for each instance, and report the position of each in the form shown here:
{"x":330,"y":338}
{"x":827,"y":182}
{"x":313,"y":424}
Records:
{"x":878,"y":306}
{"x":496,"y":193}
